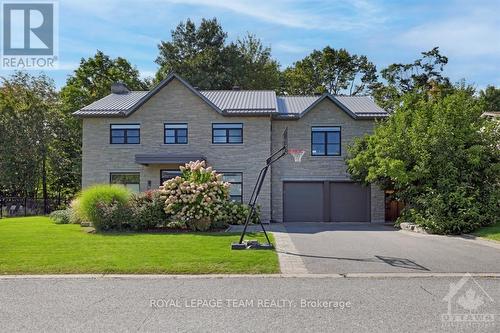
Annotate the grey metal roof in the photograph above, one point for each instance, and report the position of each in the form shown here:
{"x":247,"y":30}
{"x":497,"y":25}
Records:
{"x":235,"y":102}
{"x":295,"y":104}
{"x":361,"y":105}
{"x":112,"y":104}
{"x":243,"y":101}
{"x":165,"y":158}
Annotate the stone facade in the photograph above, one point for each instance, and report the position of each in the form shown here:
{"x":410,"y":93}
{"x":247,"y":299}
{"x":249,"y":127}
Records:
{"x":261,"y":135}
{"x":176,"y":103}
{"x":318,"y":168}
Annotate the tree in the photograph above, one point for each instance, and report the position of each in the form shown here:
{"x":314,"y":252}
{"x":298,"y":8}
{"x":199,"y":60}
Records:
{"x":424,"y":74}
{"x":203,"y":57}
{"x":256,"y":69}
{"x":436,"y":153}
{"x":28,"y":114}
{"x":491,"y":98}
{"x":93,"y":78}
{"x":89,"y":82}
{"x":329,"y":70}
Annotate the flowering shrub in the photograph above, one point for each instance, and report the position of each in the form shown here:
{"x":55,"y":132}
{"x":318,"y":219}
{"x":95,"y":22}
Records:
{"x":196,"y":197}
{"x":60,"y":216}
{"x":236,"y":213}
{"x":111,"y":216}
{"x":147,"y":210}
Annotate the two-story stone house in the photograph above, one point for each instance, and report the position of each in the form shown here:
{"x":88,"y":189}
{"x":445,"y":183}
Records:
{"x":140,"y":138}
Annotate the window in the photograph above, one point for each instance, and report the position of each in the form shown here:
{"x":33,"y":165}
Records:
{"x":130,"y":180}
{"x":125,"y":134}
{"x":325,"y":141}
{"x":176,"y":134}
{"x":227,"y":133}
{"x":168,"y":174}
{"x":236,"y":189}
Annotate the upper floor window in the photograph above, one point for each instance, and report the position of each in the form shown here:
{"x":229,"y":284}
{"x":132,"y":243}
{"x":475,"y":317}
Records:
{"x":125,"y":134}
{"x":130,"y":180}
{"x":325,"y":141}
{"x":236,"y":181}
{"x":176,"y":134}
{"x":227,"y":133}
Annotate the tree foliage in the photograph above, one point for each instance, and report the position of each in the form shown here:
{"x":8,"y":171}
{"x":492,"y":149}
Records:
{"x":29,"y":124}
{"x":89,"y":82}
{"x":437,"y":153}
{"x":424,"y":74}
{"x":205,"y":59}
{"x":93,"y":78}
{"x":329,"y":70}
{"x":491,"y":98}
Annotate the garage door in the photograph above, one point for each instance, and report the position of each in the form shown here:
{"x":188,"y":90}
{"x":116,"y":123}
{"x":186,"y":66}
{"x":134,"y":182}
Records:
{"x":303,"y":202}
{"x":349,"y":202}
{"x":326,"y":202}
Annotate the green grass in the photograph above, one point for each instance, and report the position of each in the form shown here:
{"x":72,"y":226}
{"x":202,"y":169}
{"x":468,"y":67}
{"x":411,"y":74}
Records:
{"x":490,"y":232}
{"x":35,"y":245}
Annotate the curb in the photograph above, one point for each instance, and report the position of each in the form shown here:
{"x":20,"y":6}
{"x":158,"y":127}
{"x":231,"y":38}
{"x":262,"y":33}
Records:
{"x":236,"y":276}
{"x":463,"y":237}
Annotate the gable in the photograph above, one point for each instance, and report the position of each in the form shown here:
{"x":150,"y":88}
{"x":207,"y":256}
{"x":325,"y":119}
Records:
{"x":325,"y":110}
{"x":164,"y":84}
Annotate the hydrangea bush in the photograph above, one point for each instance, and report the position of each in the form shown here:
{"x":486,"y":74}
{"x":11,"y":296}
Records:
{"x":236,"y":213}
{"x":196,"y":197}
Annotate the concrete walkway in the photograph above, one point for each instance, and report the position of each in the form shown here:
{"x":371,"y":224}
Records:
{"x":290,"y":263}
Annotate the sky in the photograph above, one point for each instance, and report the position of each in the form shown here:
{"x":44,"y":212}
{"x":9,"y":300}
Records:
{"x":386,"y":31}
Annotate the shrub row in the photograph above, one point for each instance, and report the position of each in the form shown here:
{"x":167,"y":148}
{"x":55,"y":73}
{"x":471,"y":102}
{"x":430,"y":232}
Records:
{"x":198,"y":200}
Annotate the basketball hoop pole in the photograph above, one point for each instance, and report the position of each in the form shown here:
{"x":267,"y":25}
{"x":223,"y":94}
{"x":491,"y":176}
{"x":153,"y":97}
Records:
{"x":256,"y":191}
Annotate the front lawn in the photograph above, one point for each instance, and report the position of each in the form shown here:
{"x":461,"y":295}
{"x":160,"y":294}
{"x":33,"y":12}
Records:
{"x":35,"y":245}
{"x":490,"y":232}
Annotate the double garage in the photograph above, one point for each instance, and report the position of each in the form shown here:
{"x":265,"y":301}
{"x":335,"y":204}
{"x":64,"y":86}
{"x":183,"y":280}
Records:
{"x":325,"y":201}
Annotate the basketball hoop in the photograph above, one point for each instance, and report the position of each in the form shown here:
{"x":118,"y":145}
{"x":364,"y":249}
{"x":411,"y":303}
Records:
{"x":297,"y":154}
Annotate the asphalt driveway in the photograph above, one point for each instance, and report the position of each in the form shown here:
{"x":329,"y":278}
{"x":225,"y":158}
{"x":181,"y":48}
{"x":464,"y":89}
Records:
{"x":366,"y":248}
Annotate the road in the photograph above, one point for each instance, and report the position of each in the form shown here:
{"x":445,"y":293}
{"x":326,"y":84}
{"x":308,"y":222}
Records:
{"x":247,"y":304}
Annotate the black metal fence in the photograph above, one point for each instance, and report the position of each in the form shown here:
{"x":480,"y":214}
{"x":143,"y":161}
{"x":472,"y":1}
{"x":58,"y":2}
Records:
{"x":23,"y":206}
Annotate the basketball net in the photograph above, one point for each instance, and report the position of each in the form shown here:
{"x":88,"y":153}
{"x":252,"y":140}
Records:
{"x":297,"y":154}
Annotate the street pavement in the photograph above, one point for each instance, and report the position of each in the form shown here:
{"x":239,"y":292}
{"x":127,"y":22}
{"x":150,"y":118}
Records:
{"x":249,"y":304}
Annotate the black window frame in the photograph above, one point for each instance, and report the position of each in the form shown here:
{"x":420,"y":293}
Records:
{"x":111,"y":174}
{"x":125,"y":134}
{"x":240,"y":200}
{"x":227,"y":136}
{"x":171,"y":170}
{"x":176,"y":136}
{"x":326,"y":143}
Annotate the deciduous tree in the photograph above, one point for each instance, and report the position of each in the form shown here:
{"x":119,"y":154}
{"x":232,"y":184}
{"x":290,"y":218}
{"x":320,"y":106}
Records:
{"x":329,"y":70}
{"x":437,"y":153}
{"x":205,"y":59}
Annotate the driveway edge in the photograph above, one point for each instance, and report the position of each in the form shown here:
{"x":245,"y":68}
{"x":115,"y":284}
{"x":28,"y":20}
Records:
{"x":289,"y":264}
{"x":463,"y":237}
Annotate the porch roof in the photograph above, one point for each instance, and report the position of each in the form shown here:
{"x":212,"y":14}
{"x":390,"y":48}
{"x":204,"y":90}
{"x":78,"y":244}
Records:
{"x":166,"y":158}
